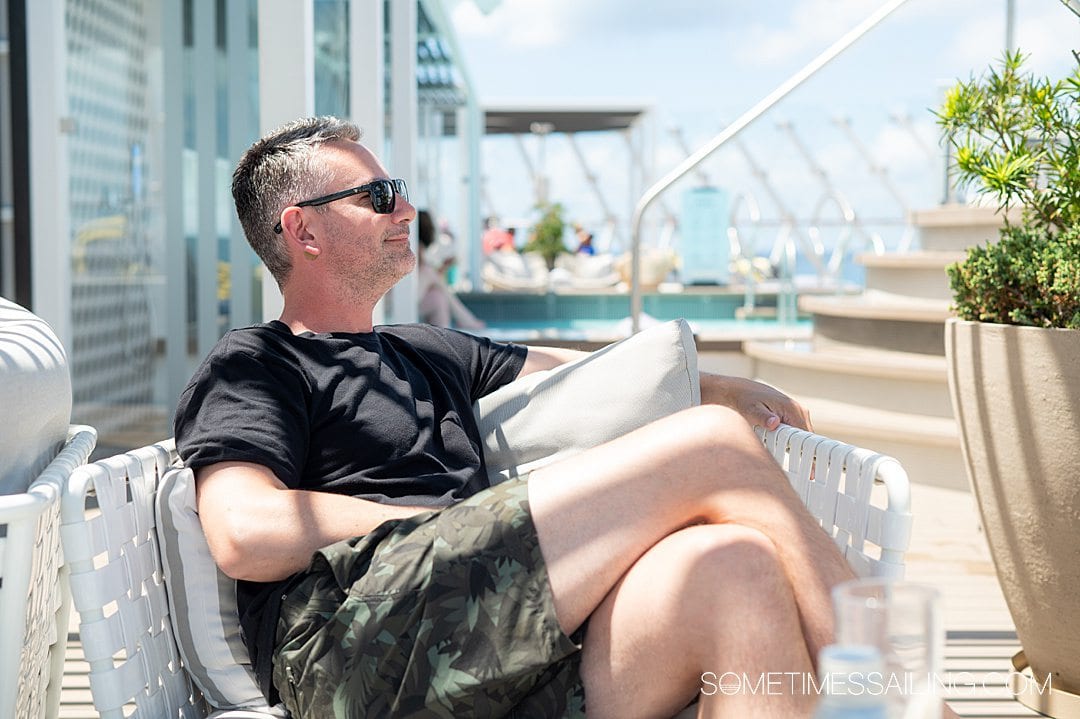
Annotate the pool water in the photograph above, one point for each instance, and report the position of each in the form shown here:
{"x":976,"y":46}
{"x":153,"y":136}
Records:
{"x":554,"y":309}
{"x":605,"y":317}
{"x":603,"y":331}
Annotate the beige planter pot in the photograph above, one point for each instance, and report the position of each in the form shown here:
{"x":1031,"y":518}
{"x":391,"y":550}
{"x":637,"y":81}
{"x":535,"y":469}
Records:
{"x":1016,"y":395}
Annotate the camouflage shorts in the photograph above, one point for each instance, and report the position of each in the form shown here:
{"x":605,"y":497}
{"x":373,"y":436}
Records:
{"x":445,"y":614}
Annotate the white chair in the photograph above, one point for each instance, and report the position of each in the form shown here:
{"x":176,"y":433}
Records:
{"x":34,"y":596}
{"x":515,"y":272}
{"x":584,"y":272}
{"x":150,"y":650}
{"x":133,"y":656}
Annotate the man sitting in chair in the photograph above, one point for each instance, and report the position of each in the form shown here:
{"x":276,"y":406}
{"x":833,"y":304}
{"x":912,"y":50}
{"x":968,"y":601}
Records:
{"x":340,"y":478}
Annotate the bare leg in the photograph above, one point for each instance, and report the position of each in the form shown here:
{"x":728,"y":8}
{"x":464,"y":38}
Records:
{"x":598,"y":512}
{"x":705,"y":600}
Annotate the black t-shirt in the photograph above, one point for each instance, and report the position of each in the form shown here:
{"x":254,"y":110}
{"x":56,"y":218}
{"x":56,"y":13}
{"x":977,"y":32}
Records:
{"x":383,"y":415}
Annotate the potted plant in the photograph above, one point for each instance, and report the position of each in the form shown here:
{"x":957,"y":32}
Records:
{"x":1013,"y":354}
{"x":546,"y":237}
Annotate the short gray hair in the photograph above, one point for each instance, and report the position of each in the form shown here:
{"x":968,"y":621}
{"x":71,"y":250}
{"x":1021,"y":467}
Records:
{"x":280,"y":169}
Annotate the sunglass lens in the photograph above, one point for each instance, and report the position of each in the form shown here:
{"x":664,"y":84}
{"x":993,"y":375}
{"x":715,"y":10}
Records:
{"x":382,"y":197}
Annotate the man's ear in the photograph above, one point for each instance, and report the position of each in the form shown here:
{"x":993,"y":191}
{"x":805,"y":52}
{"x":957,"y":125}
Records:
{"x":296,"y":231}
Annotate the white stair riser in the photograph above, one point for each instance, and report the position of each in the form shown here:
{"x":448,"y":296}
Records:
{"x":929,"y":397}
{"x":957,"y":227}
{"x":896,"y":335}
{"x":924,"y":283}
{"x":936,"y":466}
{"x":956,"y":238}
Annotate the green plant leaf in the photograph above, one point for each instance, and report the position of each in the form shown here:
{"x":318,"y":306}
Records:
{"x":1017,"y":138}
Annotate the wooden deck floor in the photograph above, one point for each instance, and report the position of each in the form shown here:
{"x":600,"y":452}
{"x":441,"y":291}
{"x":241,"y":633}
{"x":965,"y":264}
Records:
{"x":948,"y":551}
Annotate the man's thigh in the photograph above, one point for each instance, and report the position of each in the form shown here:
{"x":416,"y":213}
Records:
{"x":444,"y":614}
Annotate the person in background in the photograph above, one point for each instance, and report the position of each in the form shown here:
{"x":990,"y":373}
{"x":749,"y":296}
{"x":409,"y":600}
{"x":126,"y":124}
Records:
{"x":585,"y":241}
{"x":446,"y":237}
{"x":495,"y":238}
{"x":438,"y":303}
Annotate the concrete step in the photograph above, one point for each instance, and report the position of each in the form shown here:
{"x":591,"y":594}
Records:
{"x":927,"y":447}
{"x":877,"y":305}
{"x":880,"y":320}
{"x":957,"y":227}
{"x":918,"y":274}
{"x":897,"y":381}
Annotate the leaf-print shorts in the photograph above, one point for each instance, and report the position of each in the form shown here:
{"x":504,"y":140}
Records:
{"x":444,"y":614}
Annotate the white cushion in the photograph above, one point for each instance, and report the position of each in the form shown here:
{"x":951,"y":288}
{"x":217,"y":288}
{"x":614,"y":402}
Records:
{"x":546,"y":416}
{"x":202,"y":605}
{"x":35,"y":392}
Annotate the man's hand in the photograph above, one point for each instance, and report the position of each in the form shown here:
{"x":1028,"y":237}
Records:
{"x":758,"y":403}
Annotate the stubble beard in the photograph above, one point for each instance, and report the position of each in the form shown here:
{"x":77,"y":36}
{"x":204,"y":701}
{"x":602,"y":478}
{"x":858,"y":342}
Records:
{"x":369,"y":281}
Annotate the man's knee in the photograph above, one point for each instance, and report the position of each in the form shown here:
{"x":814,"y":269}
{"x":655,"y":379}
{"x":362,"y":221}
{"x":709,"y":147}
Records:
{"x":730,"y":553}
{"x":711,"y":425}
{"x":719,"y":572}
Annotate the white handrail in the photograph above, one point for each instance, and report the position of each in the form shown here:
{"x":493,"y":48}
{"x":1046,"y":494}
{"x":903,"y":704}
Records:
{"x":726,"y":134}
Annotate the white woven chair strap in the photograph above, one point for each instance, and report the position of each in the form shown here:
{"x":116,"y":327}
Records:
{"x":836,"y":483}
{"x":116,"y":577}
{"x":889,"y":530}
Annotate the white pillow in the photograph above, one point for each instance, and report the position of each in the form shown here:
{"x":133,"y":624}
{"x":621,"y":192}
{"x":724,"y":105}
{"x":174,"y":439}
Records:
{"x":546,"y":416}
{"x":202,"y":604}
{"x":35,"y":392}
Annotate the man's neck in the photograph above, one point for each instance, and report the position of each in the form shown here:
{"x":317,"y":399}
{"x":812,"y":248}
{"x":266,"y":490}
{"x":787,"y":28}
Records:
{"x":327,"y":317}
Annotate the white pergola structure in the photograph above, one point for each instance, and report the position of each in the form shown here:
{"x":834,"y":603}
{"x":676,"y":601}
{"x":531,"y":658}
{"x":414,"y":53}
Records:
{"x":570,"y":118}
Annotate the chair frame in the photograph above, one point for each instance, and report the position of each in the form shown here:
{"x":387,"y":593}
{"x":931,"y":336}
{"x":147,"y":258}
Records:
{"x":836,"y":481}
{"x":34,"y":596}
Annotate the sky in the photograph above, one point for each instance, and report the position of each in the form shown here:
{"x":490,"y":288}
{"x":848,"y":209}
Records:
{"x":699,"y":64}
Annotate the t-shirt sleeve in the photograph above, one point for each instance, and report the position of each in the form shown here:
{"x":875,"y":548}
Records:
{"x":487,"y":364}
{"x":245,"y":404}
{"x":494,"y":364}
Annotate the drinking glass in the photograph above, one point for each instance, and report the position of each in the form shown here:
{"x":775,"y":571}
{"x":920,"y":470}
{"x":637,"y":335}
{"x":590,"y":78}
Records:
{"x":903,"y":620}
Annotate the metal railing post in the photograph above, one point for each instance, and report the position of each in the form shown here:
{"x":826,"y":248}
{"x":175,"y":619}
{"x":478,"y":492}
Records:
{"x":728,"y":133}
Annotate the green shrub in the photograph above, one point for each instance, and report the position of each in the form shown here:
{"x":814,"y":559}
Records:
{"x":1016,"y":137}
{"x":547,"y":235}
{"x":1031,"y":276}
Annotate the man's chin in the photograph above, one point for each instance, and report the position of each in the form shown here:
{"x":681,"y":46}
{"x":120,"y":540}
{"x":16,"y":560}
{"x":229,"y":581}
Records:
{"x":404,"y":266}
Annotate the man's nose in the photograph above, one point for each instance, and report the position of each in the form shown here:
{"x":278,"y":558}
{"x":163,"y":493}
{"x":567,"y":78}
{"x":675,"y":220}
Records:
{"x":404,"y":211}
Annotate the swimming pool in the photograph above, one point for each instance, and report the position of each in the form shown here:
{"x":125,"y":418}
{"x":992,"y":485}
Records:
{"x":605,"y":331}
{"x":602,"y":318}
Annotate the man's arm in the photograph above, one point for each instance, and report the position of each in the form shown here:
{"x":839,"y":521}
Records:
{"x":260,"y":530}
{"x":544,"y":358}
{"x":759,"y":403}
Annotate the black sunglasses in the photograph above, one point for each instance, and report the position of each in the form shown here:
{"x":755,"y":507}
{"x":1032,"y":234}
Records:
{"x":383,"y":197}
